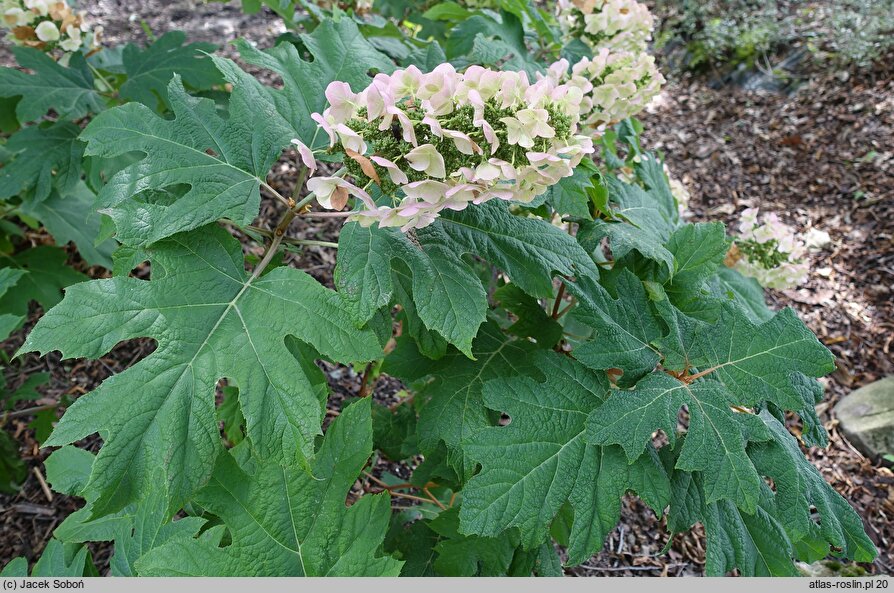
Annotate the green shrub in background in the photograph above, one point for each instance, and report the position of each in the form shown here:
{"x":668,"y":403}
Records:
{"x":726,"y":34}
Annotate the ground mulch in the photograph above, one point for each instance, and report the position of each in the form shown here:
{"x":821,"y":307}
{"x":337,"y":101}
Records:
{"x":821,"y":157}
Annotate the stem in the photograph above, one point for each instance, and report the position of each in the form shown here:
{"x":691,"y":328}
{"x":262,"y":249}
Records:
{"x":299,"y":185}
{"x":29,"y":411}
{"x":101,"y":78}
{"x":278,"y":235}
{"x":276,"y":194}
{"x":433,"y":499}
{"x":291,"y":241}
{"x":692,"y":378}
{"x":567,"y":308}
{"x":327,"y":214}
{"x":364,"y":381}
{"x":558,"y":302}
{"x":311,"y":243}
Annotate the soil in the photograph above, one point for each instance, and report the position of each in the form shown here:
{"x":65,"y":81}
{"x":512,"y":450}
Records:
{"x":821,"y":157}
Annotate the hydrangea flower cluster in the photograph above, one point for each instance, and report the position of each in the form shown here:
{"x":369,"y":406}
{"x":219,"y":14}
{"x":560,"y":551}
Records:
{"x":768,"y":251}
{"x":615,"y":85}
{"x":624,"y":25}
{"x":446,"y":140}
{"x":48,"y":25}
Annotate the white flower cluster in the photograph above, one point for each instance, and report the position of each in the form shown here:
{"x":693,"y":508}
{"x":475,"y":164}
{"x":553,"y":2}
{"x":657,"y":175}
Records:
{"x":768,"y":251}
{"x":624,"y":25}
{"x":48,"y":24}
{"x":446,"y":140}
{"x":615,"y":85}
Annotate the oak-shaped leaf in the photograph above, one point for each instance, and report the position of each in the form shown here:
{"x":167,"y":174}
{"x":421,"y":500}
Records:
{"x":286,"y":521}
{"x":212,"y":320}
{"x":339,"y":51}
{"x":46,"y":157}
{"x":448,"y":295}
{"x":756,"y":362}
{"x":68,"y":91}
{"x":624,"y":327}
{"x":541,"y":461}
{"x":452,"y":409}
{"x":811,"y":511}
{"x":715,"y":441}
{"x":150,"y":70}
{"x":222,"y":160}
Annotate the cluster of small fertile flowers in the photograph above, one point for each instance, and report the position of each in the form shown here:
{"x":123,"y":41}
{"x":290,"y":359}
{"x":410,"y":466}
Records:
{"x":444,"y":140}
{"x":768,"y":251}
{"x":615,"y":85}
{"x":48,"y":25}
{"x":624,"y":25}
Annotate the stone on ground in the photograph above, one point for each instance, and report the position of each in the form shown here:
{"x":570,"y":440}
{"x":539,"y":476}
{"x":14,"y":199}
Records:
{"x":866,"y":418}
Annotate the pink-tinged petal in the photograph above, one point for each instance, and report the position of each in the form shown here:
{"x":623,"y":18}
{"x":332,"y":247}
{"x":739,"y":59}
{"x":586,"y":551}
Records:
{"x":426,"y":158}
{"x":540,"y":158}
{"x":428,"y":190}
{"x":332,"y":192}
{"x":350,"y":139}
{"x":324,"y":188}
{"x":489,"y":134}
{"x":307,"y":155}
{"x":341,"y":99}
{"x":434,"y":125}
{"x":463,"y":142}
{"x":325,"y":125}
{"x":397,"y":176}
{"x":409,"y":133}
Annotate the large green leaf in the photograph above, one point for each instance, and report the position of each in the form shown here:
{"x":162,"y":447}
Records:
{"x":541,"y":461}
{"x":150,"y":70}
{"x":223,"y":161}
{"x":531,"y":251}
{"x":755,"y":361}
{"x":67,"y":91}
{"x":45,"y":157}
{"x":453,"y":409}
{"x":448,"y":295}
{"x":339,"y":51}
{"x":287,"y":522}
{"x":800,"y":489}
{"x":625,"y":328}
{"x":46,"y":275}
{"x":754,"y":543}
{"x":70,"y":216}
{"x":211,"y":321}
{"x":715,"y":441}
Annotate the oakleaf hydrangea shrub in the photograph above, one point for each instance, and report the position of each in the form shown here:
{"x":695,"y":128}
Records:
{"x":509,"y":252}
